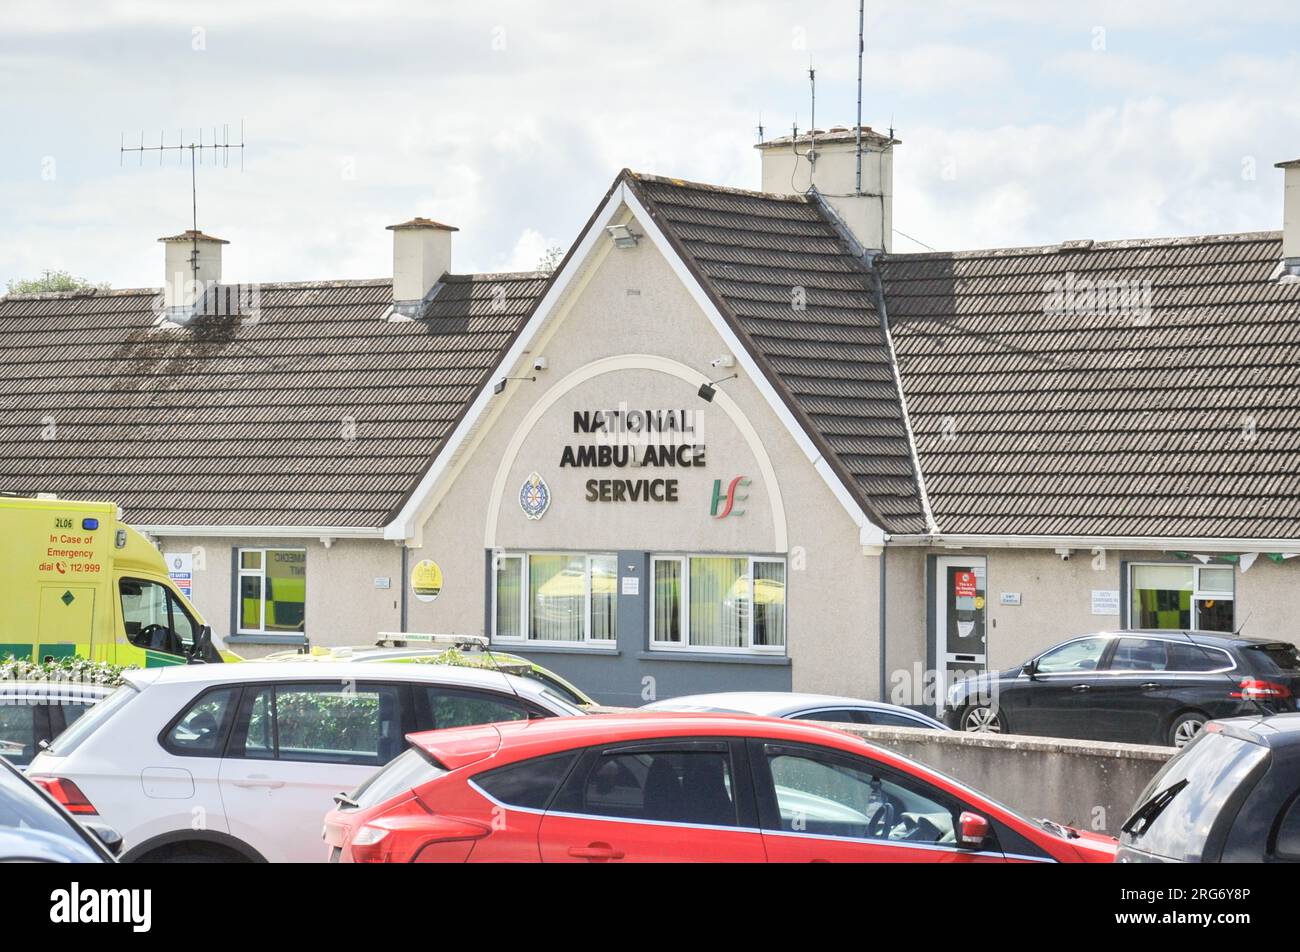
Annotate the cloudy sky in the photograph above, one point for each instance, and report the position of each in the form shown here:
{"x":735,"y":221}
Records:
{"x":1023,"y":122}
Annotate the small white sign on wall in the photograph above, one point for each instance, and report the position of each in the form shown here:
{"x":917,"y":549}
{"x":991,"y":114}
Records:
{"x":631,"y":585}
{"x":382,"y":581}
{"x":1105,"y":602}
{"x":1010,"y":598}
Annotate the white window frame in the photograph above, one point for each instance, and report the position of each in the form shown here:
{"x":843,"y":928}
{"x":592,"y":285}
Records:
{"x":525,"y":604}
{"x":685,"y":646}
{"x":242,"y":573}
{"x":1198,"y":593}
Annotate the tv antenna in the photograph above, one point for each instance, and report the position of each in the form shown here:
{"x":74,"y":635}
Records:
{"x":220,"y":145}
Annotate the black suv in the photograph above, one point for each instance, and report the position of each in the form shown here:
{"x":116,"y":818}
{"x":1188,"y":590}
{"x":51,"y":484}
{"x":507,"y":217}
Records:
{"x":1231,"y":796}
{"x":1139,"y":687}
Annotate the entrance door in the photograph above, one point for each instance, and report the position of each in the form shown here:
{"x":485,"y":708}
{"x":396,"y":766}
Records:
{"x":960,"y":618}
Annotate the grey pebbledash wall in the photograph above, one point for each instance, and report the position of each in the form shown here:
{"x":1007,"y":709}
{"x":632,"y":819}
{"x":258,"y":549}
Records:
{"x":630,"y":674}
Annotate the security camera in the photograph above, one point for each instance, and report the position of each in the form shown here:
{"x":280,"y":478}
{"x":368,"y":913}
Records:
{"x":539,"y":363}
{"x":726,"y":360}
{"x":1064,"y":554}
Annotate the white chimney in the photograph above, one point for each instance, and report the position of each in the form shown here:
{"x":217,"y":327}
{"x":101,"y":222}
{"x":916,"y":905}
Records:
{"x":193,"y":264}
{"x":865,"y":207}
{"x":421,"y":256}
{"x":1291,"y":216}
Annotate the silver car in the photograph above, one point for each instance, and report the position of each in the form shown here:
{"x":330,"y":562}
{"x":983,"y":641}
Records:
{"x":800,"y":707}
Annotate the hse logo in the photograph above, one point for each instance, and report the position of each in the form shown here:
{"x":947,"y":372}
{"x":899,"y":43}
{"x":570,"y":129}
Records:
{"x":77,"y":905}
{"x":726,"y":501}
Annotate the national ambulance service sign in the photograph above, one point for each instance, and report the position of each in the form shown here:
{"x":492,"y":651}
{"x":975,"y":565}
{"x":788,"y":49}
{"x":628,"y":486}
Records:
{"x":426,"y":580}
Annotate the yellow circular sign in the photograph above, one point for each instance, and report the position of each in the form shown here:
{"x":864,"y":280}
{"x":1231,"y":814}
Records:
{"x":979,"y":602}
{"x":426,"y":580}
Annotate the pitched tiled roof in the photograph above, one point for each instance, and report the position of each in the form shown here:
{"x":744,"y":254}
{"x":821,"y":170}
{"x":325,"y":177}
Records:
{"x":1146,"y":389}
{"x":828,"y":358}
{"x":319,"y":413}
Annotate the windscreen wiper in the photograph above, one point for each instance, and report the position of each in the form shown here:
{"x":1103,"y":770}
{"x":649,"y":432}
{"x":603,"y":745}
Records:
{"x":1151,"y":810}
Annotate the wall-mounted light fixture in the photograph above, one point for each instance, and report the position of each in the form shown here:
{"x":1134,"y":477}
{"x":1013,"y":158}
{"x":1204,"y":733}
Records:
{"x":500,"y":386}
{"x":624,"y":237}
{"x":709,"y":390}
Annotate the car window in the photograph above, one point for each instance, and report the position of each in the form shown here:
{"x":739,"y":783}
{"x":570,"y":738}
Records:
{"x":1178,"y":809}
{"x":88,"y":723}
{"x":201,"y":729}
{"x":1286,"y":840}
{"x":1139,"y":654}
{"x":18,"y":730}
{"x":553,"y":685}
{"x":331,"y":722}
{"x":661,"y":785}
{"x":412,"y":768}
{"x":452,"y":708}
{"x":1076,"y":656}
{"x":1276,"y":657}
{"x":530,"y":784}
{"x":1194,"y":657}
{"x":153,"y":618}
{"x":837,"y":715}
{"x":890,"y":719}
{"x":847,"y":797}
{"x":22,"y":808}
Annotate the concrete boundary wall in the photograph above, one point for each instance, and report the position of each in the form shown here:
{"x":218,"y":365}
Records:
{"x":1092,"y":785}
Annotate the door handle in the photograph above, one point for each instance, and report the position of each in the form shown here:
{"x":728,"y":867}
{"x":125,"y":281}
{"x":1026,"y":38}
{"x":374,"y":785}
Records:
{"x":1150,"y":685}
{"x":258,"y":780}
{"x":1082,"y":687}
{"x":596,"y":852}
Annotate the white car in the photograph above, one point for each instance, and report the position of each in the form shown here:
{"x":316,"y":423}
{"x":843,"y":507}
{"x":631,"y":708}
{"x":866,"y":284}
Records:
{"x":240,"y":762}
{"x":800,"y":707}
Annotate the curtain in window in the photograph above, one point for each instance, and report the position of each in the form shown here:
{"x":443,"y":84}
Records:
{"x":668,"y":601}
{"x":1162,"y":596}
{"x":557,"y":596}
{"x":769,"y":604}
{"x":719,"y":602}
{"x":604,"y":598}
{"x":510,"y":576}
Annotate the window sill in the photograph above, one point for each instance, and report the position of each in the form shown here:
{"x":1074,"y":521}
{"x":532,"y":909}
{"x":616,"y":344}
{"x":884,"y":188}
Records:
{"x":677,"y":654}
{"x":266,"y":639}
{"x":521,"y":647}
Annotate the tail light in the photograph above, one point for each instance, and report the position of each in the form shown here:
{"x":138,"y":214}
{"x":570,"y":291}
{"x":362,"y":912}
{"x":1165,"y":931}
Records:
{"x":1256,"y":689}
{"x":402,"y":839}
{"x":68,"y":794}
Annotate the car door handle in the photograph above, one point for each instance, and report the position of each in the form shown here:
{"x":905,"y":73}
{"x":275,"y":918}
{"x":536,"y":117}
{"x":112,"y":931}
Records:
{"x":596,"y":852}
{"x":1150,"y":685}
{"x":1082,"y":687}
{"x":258,"y":780}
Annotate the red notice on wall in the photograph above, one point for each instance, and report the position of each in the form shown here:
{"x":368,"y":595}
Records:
{"x":964,"y":584}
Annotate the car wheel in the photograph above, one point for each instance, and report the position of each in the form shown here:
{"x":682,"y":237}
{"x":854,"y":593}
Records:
{"x":983,"y":719}
{"x":1185,"y":727}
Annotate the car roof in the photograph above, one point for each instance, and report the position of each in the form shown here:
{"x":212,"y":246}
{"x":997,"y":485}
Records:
{"x":63,"y":690}
{"x":1219,"y":639}
{"x":765,"y":703}
{"x":335,"y":671}
{"x":1275,"y":731}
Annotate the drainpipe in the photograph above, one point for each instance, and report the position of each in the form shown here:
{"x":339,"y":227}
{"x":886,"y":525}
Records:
{"x":402,"y":582}
{"x":884,"y":677}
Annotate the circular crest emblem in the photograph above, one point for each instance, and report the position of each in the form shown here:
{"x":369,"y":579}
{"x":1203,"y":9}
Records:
{"x":534,"y":496}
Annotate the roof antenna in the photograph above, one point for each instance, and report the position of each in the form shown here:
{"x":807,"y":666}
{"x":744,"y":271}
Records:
{"x":220,"y":145}
{"x":812,"y":123}
{"x":857,"y":128}
{"x":760,"y":128}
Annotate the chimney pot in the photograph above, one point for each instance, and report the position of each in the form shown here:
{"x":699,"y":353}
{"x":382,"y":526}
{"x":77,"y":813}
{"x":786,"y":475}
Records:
{"x":184,"y":283}
{"x":421,"y":256}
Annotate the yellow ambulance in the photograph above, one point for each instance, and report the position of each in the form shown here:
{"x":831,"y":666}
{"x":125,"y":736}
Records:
{"x":76,"y":581}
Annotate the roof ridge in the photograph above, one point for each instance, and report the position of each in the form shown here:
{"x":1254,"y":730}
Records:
{"x":724,"y":189}
{"x":1071,"y":246}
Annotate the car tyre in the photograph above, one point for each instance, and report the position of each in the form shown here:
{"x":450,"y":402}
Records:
{"x":1184,"y":728}
{"x":193,"y":853}
{"x":982,"y":719}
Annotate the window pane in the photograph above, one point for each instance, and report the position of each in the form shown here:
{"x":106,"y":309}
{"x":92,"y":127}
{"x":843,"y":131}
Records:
{"x":260,"y":742}
{"x":833,"y":798}
{"x":604,"y":597}
{"x":1217,"y":580}
{"x":452,"y":709}
{"x":669,"y":786}
{"x":1078,"y":656}
{"x":668,"y":601}
{"x":529,"y":784}
{"x":557,"y":593}
{"x":251,"y":559}
{"x":1193,"y":657}
{"x":17,"y":731}
{"x":1139,"y":654}
{"x":145,"y":617}
{"x":1214,"y":614}
{"x":769,"y":604}
{"x":181,"y":620}
{"x":250,"y":602}
{"x":719,"y":603}
{"x":1162,"y":596}
{"x":286,"y":590}
{"x":328,"y":724}
{"x":510,"y":578}
{"x":202,"y":730}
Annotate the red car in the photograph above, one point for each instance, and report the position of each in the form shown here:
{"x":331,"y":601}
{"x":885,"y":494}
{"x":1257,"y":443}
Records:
{"x":677,"y":788}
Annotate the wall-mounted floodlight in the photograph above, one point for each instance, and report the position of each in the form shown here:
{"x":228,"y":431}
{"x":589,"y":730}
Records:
{"x":499,"y":387}
{"x":624,"y":237}
{"x":709,"y":390}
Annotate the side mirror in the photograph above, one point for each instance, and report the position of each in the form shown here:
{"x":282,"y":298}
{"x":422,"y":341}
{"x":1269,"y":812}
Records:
{"x":201,"y":651}
{"x":1030,"y":667}
{"x":974,"y":830}
{"x":109,"y":837}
